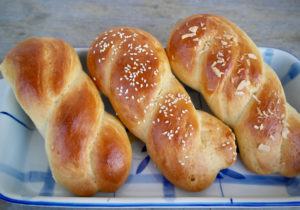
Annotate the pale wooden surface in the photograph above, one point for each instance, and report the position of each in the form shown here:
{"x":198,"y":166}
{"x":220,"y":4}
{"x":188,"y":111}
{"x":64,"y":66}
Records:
{"x":270,"y":23}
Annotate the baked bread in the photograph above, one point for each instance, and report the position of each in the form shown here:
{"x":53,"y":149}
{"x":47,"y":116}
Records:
{"x":88,"y":149}
{"x":216,"y":58}
{"x":188,"y":146}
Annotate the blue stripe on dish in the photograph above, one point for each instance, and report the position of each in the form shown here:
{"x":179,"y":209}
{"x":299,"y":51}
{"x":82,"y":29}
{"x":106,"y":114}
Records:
{"x":49,"y":184}
{"x":17,"y":120}
{"x":292,"y":73}
{"x":168,"y":188}
{"x":31,"y":176}
{"x":292,"y":184}
{"x":221,"y":187}
{"x":143,"y":164}
{"x":219,"y":178}
{"x":268,"y":55}
{"x":233,"y":174}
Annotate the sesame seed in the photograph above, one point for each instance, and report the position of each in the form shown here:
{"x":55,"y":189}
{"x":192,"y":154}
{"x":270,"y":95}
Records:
{"x":252,"y":56}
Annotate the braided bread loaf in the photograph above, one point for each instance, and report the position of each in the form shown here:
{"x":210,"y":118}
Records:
{"x":188,"y":146}
{"x":216,"y":58}
{"x":88,"y":149}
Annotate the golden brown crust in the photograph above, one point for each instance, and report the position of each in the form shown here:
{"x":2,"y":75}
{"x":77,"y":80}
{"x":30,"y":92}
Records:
{"x":215,"y":57}
{"x":134,"y":72}
{"x":259,"y":129}
{"x":64,"y":104}
{"x":221,"y":57}
{"x":290,"y":148}
{"x":38,"y":72}
{"x":111,"y":157}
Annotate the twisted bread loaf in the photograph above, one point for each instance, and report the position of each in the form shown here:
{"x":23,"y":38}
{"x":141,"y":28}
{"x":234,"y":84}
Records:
{"x":88,"y":149}
{"x":188,"y":146}
{"x":215,"y":57}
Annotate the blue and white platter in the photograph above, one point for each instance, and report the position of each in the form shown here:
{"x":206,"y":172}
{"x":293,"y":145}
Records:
{"x":25,"y":176}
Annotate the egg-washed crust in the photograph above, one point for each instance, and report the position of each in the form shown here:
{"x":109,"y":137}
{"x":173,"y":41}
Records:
{"x":215,"y":57}
{"x":131,"y":68}
{"x":47,"y":78}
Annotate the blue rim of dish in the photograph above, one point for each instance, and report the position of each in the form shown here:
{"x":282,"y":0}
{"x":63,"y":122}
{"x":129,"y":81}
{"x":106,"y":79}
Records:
{"x":262,"y":47}
{"x":230,"y":203}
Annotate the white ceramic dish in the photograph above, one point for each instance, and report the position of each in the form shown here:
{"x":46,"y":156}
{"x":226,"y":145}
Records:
{"x":25,"y":176}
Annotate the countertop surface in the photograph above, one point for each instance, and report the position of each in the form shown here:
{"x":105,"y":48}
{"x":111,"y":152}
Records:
{"x":270,"y":23}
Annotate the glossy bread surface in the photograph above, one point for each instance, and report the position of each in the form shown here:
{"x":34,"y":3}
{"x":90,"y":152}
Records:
{"x":131,"y":68}
{"x":216,"y":58}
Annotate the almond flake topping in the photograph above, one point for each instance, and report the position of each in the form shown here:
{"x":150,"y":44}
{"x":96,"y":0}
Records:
{"x":264,"y":148}
{"x":239,"y":93}
{"x":285,"y":130}
{"x":188,"y":35}
{"x":193,"y":29}
{"x":256,"y":99}
{"x":240,"y":70}
{"x":261,"y":126}
{"x":259,"y":111}
{"x":252,"y":56}
{"x":243,"y":84}
{"x":223,"y":42}
{"x":248,"y":62}
{"x":216,"y":70}
{"x":227,"y":36}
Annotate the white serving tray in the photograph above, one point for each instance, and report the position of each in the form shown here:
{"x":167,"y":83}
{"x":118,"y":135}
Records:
{"x":25,"y":176}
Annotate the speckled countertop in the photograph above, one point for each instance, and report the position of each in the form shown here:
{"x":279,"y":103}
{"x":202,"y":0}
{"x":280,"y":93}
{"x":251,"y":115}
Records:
{"x":270,"y":23}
